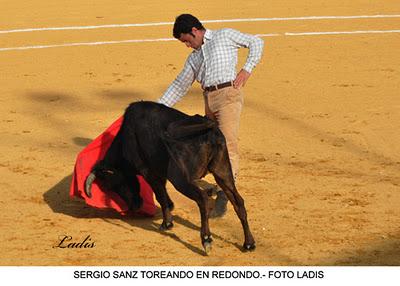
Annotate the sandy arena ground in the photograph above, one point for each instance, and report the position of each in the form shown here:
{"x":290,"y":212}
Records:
{"x":319,"y":133}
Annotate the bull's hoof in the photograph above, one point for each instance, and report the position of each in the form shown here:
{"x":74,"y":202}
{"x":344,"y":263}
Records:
{"x":166,"y":226}
{"x":249,"y":247}
{"x":207,"y":247}
{"x":207,"y":244}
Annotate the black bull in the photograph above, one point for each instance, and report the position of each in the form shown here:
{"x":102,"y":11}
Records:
{"x":161,"y":143}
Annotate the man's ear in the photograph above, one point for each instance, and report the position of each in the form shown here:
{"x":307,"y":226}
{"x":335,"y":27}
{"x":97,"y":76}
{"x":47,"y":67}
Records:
{"x":194,"y":31}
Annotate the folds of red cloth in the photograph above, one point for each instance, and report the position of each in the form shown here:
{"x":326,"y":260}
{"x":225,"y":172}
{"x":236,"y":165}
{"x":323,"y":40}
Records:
{"x":86,"y":159}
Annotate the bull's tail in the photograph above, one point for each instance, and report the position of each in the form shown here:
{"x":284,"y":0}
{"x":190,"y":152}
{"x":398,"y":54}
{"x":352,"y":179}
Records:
{"x":183,"y":139}
{"x":195,"y":125}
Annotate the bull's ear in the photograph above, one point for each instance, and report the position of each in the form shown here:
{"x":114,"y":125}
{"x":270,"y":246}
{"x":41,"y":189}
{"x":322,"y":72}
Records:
{"x":104,"y":173}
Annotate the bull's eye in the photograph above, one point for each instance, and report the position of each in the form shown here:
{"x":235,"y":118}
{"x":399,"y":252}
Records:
{"x":110,"y":172}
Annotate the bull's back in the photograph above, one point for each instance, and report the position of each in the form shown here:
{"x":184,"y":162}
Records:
{"x":151,"y":112}
{"x":148,"y":122}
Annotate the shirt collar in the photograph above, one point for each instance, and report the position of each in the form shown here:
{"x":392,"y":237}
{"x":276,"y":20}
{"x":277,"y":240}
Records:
{"x":207,"y":35}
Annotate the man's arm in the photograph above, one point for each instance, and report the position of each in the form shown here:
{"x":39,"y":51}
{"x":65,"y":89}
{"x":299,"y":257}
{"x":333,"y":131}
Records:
{"x":255,"y":46}
{"x":241,"y":79}
{"x":179,"y":86}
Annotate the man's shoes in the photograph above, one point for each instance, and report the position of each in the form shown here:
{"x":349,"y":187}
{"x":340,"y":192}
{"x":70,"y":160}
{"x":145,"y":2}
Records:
{"x":219,"y":209}
{"x":217,"y":206}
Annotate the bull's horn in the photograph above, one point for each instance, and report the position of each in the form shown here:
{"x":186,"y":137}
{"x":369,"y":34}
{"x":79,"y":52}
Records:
{"x":88,"y":184}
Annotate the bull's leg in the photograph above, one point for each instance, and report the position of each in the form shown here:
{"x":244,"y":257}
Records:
{"x":238,"y":204}
{"x":134,"y":199}
{"x":170,"y":203}
{"x":158,"y":186}
{"x":221,"y":170}
{"x":201,"y":198}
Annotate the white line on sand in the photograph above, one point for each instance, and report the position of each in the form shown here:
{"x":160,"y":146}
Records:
{"x":341,"y":33}
{"x":204,"y":21}
{"x":86,"y":44}
{"x":172,"y":39}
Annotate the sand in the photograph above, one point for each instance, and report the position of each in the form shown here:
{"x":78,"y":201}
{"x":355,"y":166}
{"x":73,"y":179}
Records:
{"x":319,"y":134}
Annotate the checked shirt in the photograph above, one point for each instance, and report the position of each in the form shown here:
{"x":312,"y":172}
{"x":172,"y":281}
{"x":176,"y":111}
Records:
{"x":215,"y":62}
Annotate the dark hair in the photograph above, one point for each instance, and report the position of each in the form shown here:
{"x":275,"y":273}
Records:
{"x":184,"y":24}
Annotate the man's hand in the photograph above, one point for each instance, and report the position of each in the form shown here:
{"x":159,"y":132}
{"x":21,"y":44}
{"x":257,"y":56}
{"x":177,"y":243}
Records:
{"x":241,"y":79}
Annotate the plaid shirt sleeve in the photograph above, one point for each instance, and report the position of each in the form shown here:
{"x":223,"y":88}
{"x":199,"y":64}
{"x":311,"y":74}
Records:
{"x":179,"y":86}
{"x":253,"y":43}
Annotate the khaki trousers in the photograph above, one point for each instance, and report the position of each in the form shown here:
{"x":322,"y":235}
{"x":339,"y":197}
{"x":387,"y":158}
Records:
{"x":224,"y":106}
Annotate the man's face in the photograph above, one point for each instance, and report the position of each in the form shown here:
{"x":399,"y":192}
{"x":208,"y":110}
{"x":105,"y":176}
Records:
{"x":193,"y":40}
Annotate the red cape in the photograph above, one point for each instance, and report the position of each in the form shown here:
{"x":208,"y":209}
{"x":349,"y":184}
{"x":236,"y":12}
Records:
{"x":86,"y":159}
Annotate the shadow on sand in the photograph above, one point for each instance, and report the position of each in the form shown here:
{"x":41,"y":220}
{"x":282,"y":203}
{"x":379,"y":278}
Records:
{"x":58,"y":199}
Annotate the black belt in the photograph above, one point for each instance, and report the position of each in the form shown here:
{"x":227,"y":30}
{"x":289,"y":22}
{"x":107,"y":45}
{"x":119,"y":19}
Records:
{"x":218,"y":86}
